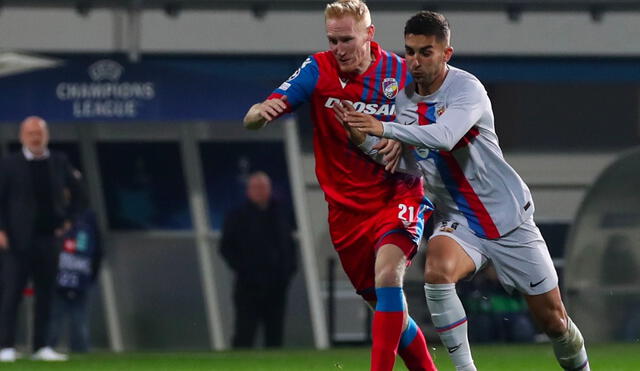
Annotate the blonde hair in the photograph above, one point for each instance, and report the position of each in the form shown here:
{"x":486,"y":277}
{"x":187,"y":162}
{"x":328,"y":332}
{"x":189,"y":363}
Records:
{"x":354,"y":8}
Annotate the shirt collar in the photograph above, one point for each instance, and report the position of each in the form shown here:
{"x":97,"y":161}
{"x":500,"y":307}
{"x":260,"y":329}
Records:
{"x":30,"y":156}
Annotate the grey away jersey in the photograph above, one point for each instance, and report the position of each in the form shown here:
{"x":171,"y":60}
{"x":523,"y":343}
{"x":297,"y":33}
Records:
{"x":458,"y":153}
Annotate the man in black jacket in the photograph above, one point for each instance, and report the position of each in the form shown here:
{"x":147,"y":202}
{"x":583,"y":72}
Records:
{"x":33,"y":214}
{"x":257,"y":245}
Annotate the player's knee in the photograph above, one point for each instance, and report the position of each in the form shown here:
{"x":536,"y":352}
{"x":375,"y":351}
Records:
{"x":554,"y":324}
{"x":388,"y":277}
{"x":439,"y":273}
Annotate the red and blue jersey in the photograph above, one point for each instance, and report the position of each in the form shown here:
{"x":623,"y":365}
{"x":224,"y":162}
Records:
{"x":348,"y":177}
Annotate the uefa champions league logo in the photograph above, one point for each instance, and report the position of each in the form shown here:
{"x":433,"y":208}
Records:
{"x":105,"y":69}
{"x":107,"y":94}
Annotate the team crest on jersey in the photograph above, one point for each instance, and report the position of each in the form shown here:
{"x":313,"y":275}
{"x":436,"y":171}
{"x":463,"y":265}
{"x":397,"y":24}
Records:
{"x":390,"y":87}
{"x":440,"y":111}
{"x":449,"y":228}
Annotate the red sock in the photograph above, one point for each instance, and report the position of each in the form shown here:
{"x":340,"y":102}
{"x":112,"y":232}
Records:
{"x":414,"y":351}
{"x":388,"y":321}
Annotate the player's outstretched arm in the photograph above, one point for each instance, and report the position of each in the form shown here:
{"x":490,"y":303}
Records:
{"x":262,"y":113}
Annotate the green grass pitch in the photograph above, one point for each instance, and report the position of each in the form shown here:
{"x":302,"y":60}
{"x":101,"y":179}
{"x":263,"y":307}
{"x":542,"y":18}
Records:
{"x":604,"y":357}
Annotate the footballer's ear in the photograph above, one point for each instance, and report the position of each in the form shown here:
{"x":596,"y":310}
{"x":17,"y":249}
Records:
{"x":448,"y":53}
{"x":371,"y":30}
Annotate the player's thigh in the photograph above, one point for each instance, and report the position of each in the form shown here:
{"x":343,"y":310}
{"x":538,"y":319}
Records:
{"x":522,"y":260}
{"x":452,"y":253}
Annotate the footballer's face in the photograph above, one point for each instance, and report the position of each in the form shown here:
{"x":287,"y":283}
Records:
{"x":349,"y":41}
{"x":427,"y":60}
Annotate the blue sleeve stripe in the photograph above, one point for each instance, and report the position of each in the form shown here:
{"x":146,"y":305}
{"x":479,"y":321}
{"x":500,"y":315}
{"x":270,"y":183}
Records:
{"x":299,"y":87}
{"x":390,"y":299}
{"x":409,"y":334}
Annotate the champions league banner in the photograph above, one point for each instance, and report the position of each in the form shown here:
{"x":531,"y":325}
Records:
{"x":99,"y":89}
{"x":103,"y":88}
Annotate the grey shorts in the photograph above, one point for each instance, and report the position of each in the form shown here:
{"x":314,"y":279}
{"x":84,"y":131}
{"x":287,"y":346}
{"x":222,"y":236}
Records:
{"x":521,"y":257}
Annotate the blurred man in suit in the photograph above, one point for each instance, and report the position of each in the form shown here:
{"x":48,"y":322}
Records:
{"x":257,"y":245}
{"x":33,"y":215}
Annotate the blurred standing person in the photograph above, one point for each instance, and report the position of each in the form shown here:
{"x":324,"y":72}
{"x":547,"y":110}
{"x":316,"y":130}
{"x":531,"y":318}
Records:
{"x":78,"y":267}
{"x":257,"y":245}
{"x":375,"y":218}
{"x":33,"y":216}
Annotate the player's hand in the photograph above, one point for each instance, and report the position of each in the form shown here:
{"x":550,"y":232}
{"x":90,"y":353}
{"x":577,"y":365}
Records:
{"x":391,"y":151}
{"x":262,"y":113}
{"x":365,"y":123}
{"x":341,"y":110}
{"x":4,"y":241}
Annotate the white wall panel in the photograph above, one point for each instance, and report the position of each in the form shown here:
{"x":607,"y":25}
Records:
{"x":55,"y":30}
{"x":210,"y":31}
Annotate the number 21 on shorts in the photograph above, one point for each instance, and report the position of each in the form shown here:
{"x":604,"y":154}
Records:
{"x":408,"y":213}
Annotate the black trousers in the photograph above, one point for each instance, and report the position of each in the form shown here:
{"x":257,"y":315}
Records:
{"x":73,"y":307}
{"x":40,"y":263}
{"x":259,"y":305}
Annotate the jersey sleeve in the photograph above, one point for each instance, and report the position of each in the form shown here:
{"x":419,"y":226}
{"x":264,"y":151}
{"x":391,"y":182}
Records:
{"x":461,"y":115}
{"x":299,"y":87}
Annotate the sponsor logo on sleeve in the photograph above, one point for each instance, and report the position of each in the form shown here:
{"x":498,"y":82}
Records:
{"x":284,"y":86}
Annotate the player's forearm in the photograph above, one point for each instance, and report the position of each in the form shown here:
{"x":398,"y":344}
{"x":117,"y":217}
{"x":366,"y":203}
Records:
{"x":442,"y":136}
{"x":253,"y":120}
{"x":449,"y":129}
{"x":434,"y":137}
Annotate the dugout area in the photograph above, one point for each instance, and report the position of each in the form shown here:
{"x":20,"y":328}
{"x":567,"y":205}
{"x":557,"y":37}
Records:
{"x":603,"y":255}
